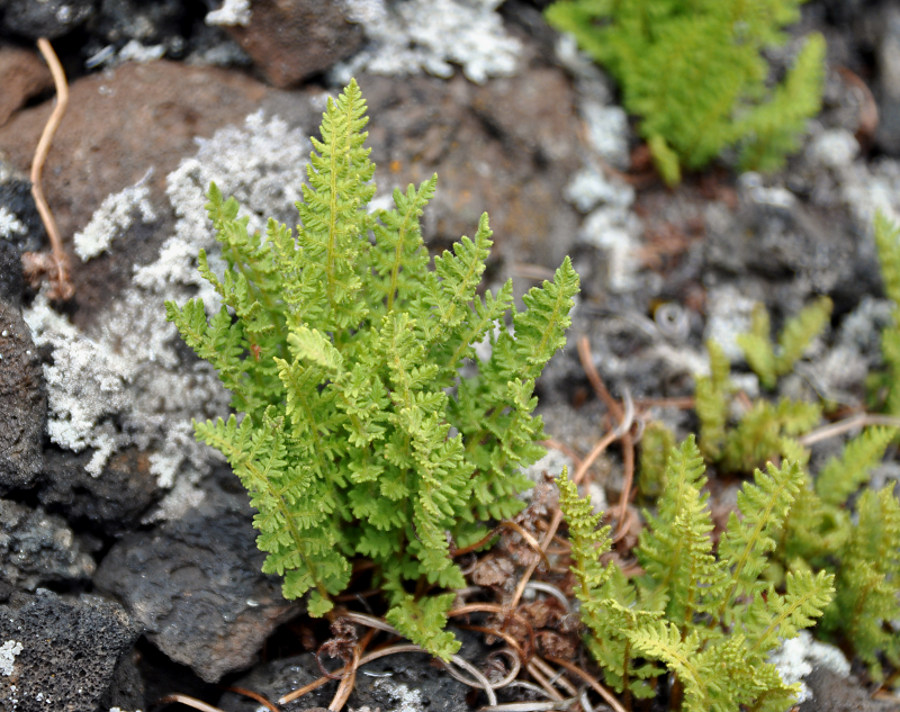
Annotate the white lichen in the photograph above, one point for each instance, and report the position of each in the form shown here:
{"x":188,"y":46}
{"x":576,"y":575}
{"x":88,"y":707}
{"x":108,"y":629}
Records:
{"x":113,"y":218}
{"x":232,"y":12}
{"x":9,"y":224}
{"x":431,"y":36}
{"x":799,"y":656}
{"x":126,"y":381}
{"x":8,"y":652}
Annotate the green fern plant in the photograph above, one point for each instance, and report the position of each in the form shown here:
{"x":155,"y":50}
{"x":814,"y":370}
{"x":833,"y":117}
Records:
{"x":360,"y":436}
{"x":702,"y":619}
{"x":887,"y":242}
{"x":713,"y":92}
{"x":829,"y":528}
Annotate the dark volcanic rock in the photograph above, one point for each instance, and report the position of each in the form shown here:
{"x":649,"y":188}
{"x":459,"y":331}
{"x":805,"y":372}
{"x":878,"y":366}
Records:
{"x":113,"y":502}
{"x":23,"y":402}
{"x":195,"y":585}
{"x":37,"y":548}
{"x":48,"y":18}
{"x":61,"y":654}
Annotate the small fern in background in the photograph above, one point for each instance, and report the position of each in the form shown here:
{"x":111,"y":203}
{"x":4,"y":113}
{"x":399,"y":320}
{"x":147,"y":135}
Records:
{"x":829,"y":528}
{"x":694,"y":74}
{"x":707,"y":619}
{"x":343,"y":350}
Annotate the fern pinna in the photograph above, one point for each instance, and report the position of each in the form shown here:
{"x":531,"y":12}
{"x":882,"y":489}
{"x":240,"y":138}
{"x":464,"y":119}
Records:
{"x":343,"y":351}
{"x":706,"y":617}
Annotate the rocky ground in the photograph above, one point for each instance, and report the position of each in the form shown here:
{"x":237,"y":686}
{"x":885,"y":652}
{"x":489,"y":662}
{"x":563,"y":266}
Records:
{"x":130,"y":570}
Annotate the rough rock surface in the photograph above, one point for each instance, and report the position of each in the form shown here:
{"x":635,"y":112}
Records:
{"x":60,"y":653}
{"x":196,"y":588}
{"x":290,"y":41}
{"x":22,"y":76}
{"x":39,"y":548}
{"x":48,"y":18}
{"x":23,"y":402}
{"x":112,"y":503}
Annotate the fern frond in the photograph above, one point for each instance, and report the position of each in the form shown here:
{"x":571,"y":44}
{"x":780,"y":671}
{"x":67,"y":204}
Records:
{"x":868,"y":583}
{"x":747,"y":540}
{"x":842,"y":476}
{"x":675,"y":549}
{"x":711,"y":399}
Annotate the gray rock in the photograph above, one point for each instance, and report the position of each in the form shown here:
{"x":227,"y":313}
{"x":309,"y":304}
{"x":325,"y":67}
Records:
{"x":37,"y":548}
{"x":61,"y":654}
{"x":23,"y":402}
{"x":196,"y":587}
{"x":50,"y":18}
{"x":113,"y":503}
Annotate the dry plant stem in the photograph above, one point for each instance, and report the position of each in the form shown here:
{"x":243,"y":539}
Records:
{"x":536,"y":673}
{"x":558,"y":516}
{"x":528,"y":706}
{"x":590,"y":680}
{"x":253,"y":696}
{"x":624,"y":429}
{"x":556,"y":676}
{"x":349,"y":678}
{"x":860,"y":420}
{"x":188,"y":701}
{"x":62,"y":287}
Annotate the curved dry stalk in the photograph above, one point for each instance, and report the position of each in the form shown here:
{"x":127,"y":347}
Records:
{"x":556,"y":677}
{"x":348,"y":680}
{"x":545,"y":684}
{"x":860,"y":420}
{"x":534,"y":706}
{"x":253,"y":696}
{"x":590,"y":680}
{"x":189,"y":702}
{"x":551,"y":590}
{"x":623,"y":430}
{"x":61,"y":285}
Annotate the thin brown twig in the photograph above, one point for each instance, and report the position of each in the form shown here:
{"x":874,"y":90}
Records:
{"x":253,"y":696}
{"x":348,"y":680}
{"x":860,"y":420}
{"x":590,"y":680}
{"x":62,"y":287}
{"x":189,"y":701}
{"x":623,"y":430}
{"x":551,"y":691}
{"x":556,"y":677}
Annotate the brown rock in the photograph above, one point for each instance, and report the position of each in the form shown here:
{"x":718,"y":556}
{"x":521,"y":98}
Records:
{"x":121,"y":122}
{"x":290,"y":40}
{"x":22,"y":76}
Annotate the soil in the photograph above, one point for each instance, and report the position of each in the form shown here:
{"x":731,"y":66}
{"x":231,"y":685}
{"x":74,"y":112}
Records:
{"x":131,"y":577}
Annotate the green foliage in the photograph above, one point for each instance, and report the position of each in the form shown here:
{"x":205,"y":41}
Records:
{"x":360,"y":436}
{"x":818,"y":533}
{"x":695,"y":74}
{"x":706,"y":618}
{"x":887,"y":241}
{"x":770,"y":362}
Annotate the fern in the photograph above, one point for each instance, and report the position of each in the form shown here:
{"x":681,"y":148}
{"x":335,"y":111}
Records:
{"x":799,"y":330}
{"x":713,"y":93}
{"x":359,"y":434}
{"x":887,"y":241}
{"x":707,"y":619}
